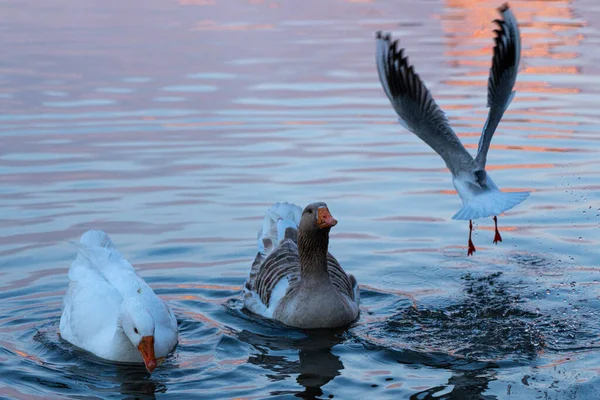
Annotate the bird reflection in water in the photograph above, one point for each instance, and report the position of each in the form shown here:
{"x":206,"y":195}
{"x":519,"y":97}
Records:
{"x":461,"y":385}
{"x":66,"y":364}
{"x":135,"y":382}
{"x":316,"y":365}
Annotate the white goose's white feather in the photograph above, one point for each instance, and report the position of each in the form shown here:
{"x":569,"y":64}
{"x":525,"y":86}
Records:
{"x":100,"y":281}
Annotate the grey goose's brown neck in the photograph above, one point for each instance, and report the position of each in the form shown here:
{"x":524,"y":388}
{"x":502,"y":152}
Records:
{"x":312,"y":248}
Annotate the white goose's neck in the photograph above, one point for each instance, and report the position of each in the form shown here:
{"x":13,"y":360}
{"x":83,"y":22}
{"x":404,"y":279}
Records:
{"x":122,"y":345}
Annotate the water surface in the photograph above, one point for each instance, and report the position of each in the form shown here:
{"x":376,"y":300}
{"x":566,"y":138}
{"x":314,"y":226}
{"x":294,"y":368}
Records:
{"x":174,"y":126}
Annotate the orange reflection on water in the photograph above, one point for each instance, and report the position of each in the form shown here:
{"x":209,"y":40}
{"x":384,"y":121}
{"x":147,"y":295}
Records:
{"x":507,"y":190}
{"x":22,"y":354}
{"x":555,"y":363}
{"x":184,"y":264}
{"x":205,"y":123}
{"x":551,"y":69}
{"x":544,"y":87}
{"x":536,"y":149}
{"x":500,"y":228}
{"x":202,"y":318}
{"x":209,"y":287}
{"x":209,"y":25}
{"x":197,"y":2}
{"x":402,"y":293}
{"x":305,"y":122}
{"x":542,"y":149}
{"x":548,"y":32}
{"x":519,"y":166}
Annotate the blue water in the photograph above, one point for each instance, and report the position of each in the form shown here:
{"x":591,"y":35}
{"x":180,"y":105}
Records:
{"x":174,"y":126}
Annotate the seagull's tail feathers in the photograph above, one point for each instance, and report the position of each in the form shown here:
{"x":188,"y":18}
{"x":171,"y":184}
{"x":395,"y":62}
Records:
{"x":490,"y":203}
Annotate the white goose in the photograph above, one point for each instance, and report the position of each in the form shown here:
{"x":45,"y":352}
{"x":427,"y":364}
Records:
{"x":420,"y":114}
{"x":110,"y":311}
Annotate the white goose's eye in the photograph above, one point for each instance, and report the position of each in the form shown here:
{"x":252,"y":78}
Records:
{"x":136,"y":331}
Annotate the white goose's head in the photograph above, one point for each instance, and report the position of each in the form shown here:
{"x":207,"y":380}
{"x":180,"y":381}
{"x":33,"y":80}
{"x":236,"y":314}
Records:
{"x":138,"y":325}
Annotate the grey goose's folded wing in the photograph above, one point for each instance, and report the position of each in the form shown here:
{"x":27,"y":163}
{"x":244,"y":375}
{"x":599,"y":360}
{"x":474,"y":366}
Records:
{"x":284,"y":263}
{"x":503,"y":74}
{"x":281,"y":263}
{"x":415,"y":106}
{"x":345,"y":282}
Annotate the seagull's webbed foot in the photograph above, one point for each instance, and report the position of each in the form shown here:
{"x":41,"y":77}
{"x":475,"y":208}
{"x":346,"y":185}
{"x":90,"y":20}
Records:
{"x":471,"y":245}
{"x":497,"y":237}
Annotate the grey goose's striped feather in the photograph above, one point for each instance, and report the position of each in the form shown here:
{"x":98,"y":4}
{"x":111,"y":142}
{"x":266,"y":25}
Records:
{"x":284,"y":263}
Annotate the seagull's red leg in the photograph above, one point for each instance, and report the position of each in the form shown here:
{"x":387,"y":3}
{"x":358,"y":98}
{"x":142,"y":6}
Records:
{"x":497,"y":237}
{"x":471,"y":246}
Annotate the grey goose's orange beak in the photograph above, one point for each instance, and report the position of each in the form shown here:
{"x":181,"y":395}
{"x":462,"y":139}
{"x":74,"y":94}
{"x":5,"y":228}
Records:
{"x":324,"y":218}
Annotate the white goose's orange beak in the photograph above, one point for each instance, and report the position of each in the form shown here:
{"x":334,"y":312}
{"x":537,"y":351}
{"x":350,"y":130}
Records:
{"x":324,"y":218}
{"x":146,"y":348}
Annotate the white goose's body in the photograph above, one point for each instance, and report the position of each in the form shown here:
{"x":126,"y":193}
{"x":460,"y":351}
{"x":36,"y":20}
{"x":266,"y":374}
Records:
{"x":107,"y":305}
{"x":420,"y":114}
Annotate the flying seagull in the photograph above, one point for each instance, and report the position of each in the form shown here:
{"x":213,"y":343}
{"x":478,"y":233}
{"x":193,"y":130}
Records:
{"x":420,"y":114}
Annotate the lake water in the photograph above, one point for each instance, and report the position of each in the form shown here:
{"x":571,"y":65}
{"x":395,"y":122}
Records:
{"x":173,"y":126}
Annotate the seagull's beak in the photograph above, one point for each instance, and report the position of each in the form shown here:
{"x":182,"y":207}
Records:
{"x":324,"y":218}
{"x":146,"y":348}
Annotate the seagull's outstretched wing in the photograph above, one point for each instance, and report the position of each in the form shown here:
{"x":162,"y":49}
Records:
{"x":416,"y":107}
{"x":505,"y":64}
